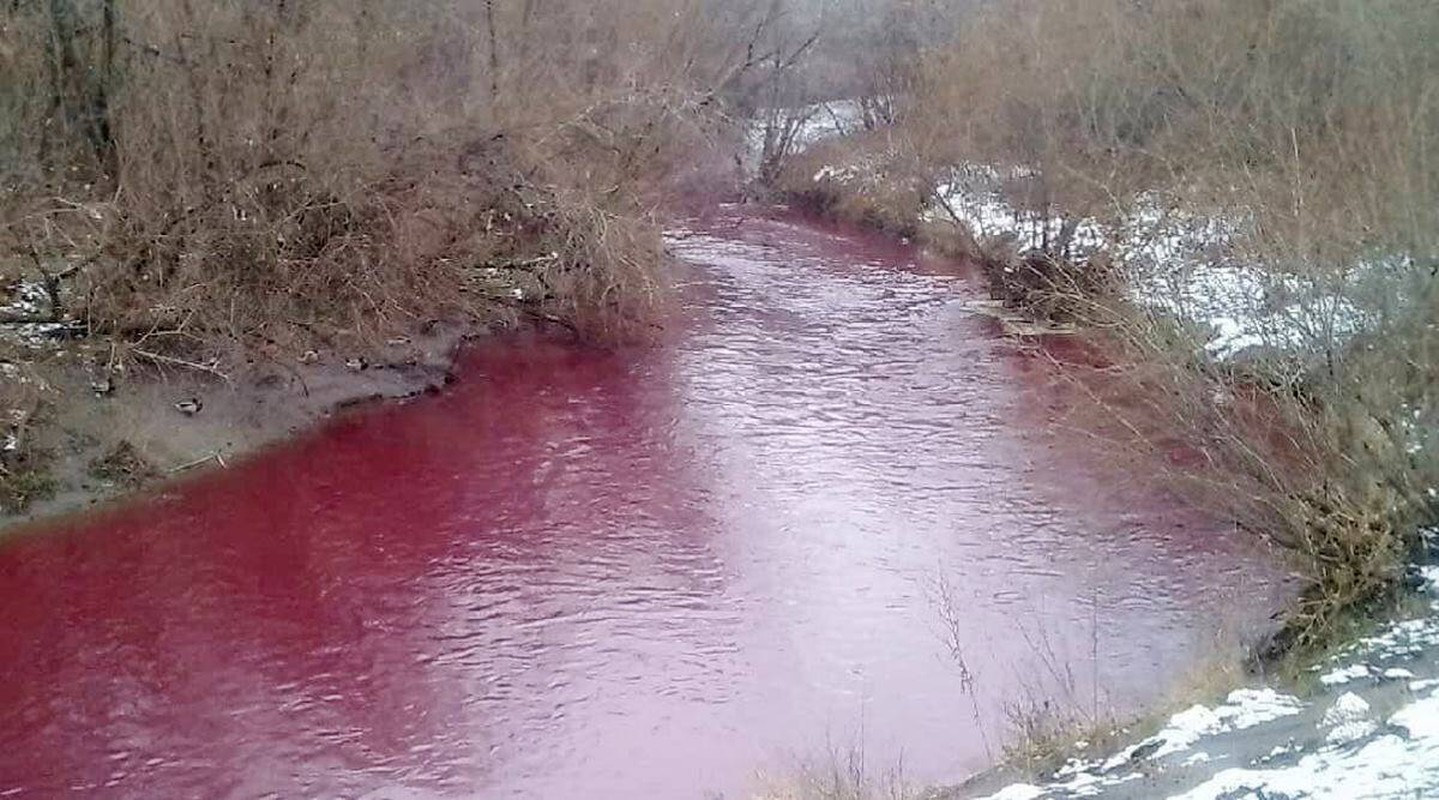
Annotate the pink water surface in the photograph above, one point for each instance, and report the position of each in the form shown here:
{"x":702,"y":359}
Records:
{"x":643,"y":573}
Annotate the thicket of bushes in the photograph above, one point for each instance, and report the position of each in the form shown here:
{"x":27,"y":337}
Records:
{"x":267,"y":169}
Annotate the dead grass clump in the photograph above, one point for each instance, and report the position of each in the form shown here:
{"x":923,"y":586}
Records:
{"x":1047,"y":288}
{"x":123,"y":465}
{"x":24,"y":467}
{"x":1043,"y":737}
{"x":843,"y":776}
{"x":25,"y":480}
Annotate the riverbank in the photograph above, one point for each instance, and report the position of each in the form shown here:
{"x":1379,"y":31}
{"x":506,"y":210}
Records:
{"x":100,"y":442}
{"x":202,"y":239}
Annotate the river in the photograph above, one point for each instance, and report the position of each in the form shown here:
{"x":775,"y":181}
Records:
{"x":824,"y":513}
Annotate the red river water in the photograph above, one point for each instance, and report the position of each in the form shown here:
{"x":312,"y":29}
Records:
{"x":824,"y":517}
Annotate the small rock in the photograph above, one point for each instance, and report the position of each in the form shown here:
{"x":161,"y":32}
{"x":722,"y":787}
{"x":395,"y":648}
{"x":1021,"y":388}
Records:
{"x":1145,"y":750}
{"x":103,"y":387}
{"x":189,"y":407}
{"x":357,"y":364}
{"x":309,"y":357}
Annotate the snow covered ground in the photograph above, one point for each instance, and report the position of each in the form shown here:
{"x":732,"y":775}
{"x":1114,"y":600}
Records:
{"x":1369,"y":729}
{"x":1180,"y":264}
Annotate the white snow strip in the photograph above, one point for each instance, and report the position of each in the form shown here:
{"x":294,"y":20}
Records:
{"x":1344,"y":675}
{"x":1419,"y":687}
{"x":1387,"y":767}
{"x":1178,"y":263}
{"x":1244,"y":708}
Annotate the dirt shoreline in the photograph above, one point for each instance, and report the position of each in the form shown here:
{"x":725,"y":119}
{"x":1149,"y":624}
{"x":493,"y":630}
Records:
{"x":104,"y":448}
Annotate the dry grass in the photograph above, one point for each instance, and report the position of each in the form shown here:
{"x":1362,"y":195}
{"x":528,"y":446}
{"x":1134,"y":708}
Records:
{"x":843,"y":774}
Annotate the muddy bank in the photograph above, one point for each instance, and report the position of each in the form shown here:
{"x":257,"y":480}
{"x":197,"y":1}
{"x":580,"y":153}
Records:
{"x":101,"y":440}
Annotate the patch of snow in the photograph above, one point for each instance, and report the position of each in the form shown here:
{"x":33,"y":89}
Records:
{"x":29,"y":299}
{"x":1348,"y":720}
{"x":1386,"y":767}
{"x":1179,"y":263}
{"x":1347,"y":708}
{"x":974,"y":196}
{"x":1430,"y":575}
{"x":1282,"y":750}
{"x":1344,"y":675}
{"x":1398,"y":674}
{"x":1018,"y":791}
{"x":1419,"y":687}
{"x":1244,"y":708}
{"x":1421,"y":719}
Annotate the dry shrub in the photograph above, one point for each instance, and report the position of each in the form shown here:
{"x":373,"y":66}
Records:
{"x":1046,"y":287}
{"x":276,"y":174}
{"x":843,"y":775}
{"x":1280,"y":455}
{"x":123,"y":465}
{"x":872,"y":180}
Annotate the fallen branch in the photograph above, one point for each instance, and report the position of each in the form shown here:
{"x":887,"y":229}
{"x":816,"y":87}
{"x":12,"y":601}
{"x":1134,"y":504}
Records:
{"x":189,"y":465}
{"x":212,"y":369}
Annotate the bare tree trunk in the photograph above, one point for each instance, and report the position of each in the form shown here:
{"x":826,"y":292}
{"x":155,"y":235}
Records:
{"x":494,"y":49}
{"x":109,"y":157}
{"x":80,"y":88}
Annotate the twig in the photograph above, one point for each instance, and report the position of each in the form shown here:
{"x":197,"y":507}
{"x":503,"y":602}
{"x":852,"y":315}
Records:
{"x":212,"y":369}
{"x":189,"y":465}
